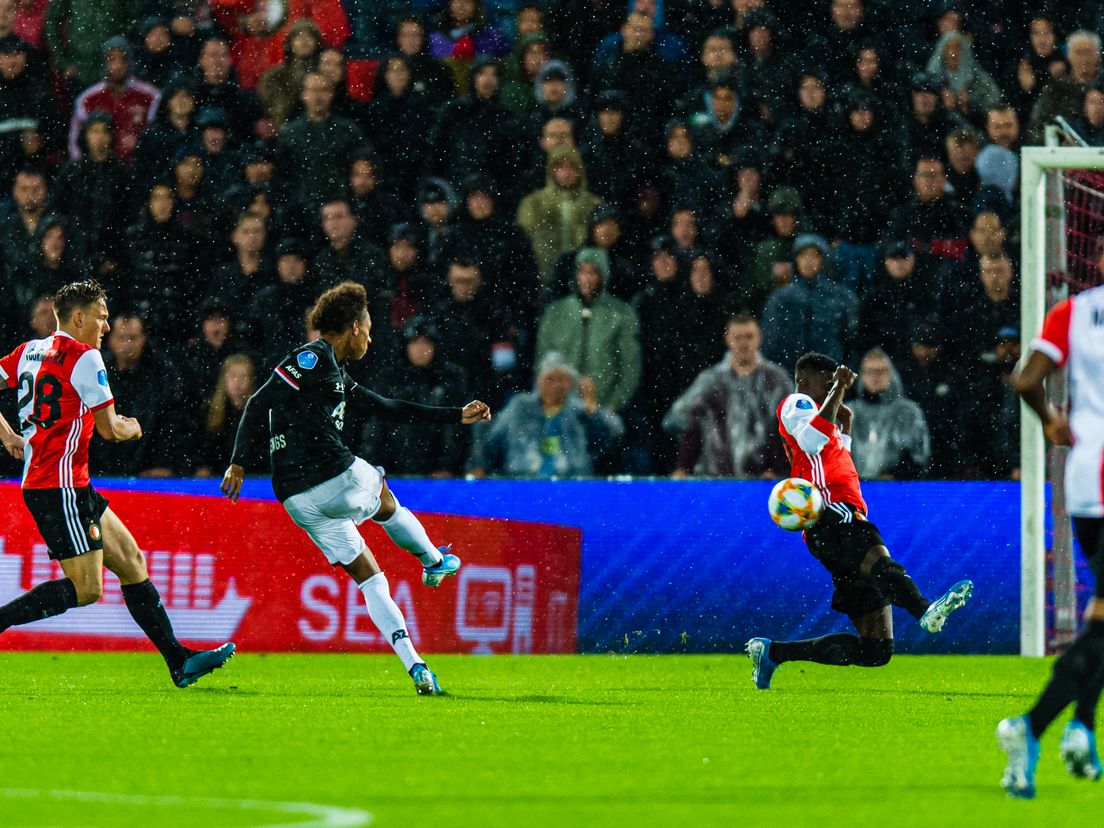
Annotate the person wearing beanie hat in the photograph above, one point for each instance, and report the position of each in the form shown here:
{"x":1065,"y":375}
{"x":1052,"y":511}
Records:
{"x":132,"y":103}
{"x":812,"y":313}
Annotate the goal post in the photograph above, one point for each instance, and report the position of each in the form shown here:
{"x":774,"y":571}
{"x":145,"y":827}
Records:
{"x":1045,"y":269}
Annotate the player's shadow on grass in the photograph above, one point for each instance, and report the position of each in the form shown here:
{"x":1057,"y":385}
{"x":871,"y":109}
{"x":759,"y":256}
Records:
{"x":537,"y":698}
{"x":904,"y":691}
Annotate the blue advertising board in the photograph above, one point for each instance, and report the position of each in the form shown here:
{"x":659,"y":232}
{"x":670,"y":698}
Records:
{"x":698,"y":566}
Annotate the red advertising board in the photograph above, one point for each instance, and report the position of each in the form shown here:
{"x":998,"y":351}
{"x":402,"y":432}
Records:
{"x":246,"y":573}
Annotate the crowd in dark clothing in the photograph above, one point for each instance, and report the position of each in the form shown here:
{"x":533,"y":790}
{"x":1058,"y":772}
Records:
{"x":608,"y":180}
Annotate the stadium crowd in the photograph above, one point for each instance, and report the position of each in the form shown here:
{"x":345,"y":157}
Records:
{"x":618,"y":223}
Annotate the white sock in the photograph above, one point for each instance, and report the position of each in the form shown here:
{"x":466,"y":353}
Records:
{"x":387,"y":616}
{"x":408,"y":533}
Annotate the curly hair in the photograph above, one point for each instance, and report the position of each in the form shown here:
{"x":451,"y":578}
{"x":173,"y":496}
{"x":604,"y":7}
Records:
{"x":338,"y":308}
{"x":77,"y":295}
{"x":814,"y":363}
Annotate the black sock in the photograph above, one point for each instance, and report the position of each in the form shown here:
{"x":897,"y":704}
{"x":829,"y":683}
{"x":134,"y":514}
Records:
{"x":46,"y":599}
{"x":145,"y":607}
{"x":896,"y":585}
{"x":840,"y":649}
{"x":1075,"y":672}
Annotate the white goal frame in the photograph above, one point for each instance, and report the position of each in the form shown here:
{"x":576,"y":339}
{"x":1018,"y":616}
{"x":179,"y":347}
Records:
{"x":1034,"y":164}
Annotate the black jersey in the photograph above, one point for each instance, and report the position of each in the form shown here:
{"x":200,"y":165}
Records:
{"x":304,"y":403}
{"x":304,"y":444}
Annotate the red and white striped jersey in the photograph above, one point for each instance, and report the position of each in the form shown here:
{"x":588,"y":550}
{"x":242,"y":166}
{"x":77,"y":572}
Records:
{"x":819,"y":452}
{"x":60,"y":383}
{"x":1073,"y":335}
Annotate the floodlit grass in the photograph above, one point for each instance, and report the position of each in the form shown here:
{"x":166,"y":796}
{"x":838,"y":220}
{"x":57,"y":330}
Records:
{"x":542,"y":740}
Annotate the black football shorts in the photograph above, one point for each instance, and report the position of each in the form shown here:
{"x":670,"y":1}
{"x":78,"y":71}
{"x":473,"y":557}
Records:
{"x":840,"y":544}
{"x":68,"y":519}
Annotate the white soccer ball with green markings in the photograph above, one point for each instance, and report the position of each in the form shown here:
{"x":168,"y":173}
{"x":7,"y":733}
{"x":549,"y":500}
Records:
{"x":795,"y":504}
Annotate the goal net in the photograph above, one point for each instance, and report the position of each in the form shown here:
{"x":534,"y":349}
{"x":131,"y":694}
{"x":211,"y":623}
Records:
{"x":1062,"y":222}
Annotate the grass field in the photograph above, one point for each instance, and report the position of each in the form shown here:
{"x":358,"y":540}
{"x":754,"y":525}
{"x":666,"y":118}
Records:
{"x":105,"y":740}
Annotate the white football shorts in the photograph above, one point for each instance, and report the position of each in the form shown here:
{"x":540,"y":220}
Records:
{"x":330,"y":512}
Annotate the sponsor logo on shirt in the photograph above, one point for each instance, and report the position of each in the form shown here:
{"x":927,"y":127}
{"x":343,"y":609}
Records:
{"x":307,"y":360}
{"x":101,"y":378}
{"x":806,"y":404}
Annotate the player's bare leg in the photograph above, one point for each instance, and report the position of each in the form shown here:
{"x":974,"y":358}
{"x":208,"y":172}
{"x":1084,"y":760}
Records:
{"x":123,"y":557}
{"x":48,"y":599}
{"x":388,"y":618}
{"x":404,"y":528}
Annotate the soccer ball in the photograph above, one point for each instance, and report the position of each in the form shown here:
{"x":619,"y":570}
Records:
{"x":795,"y":504}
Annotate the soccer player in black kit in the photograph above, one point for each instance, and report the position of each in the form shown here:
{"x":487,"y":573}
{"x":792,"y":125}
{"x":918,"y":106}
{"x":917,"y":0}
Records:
{"x":324,"y":487}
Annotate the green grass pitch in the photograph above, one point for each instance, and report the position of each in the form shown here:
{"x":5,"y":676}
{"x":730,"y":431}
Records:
{"x":546,"y":741}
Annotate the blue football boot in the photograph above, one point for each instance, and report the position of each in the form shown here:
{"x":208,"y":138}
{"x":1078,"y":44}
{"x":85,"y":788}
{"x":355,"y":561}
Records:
{"x":1017,"y":740}
{"x":954,"y":598}
{"x":199,"y":664}
{"x":758,"y":650}
{"x":1078,"y":751}
{"x":449,"y":565}
{"x":425,"y":682}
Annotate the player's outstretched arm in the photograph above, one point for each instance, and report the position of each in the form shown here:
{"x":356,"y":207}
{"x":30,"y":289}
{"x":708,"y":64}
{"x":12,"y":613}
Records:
{"x":114,"y":428}
{"x":268,"y":396}
{"x":404,"y":411}
{"x":13,"y":441}
{"x":1029,"y":380}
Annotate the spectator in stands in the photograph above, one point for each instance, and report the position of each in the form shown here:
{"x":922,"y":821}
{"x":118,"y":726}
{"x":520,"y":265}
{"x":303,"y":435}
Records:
{"x":967,"y":87}
{"x":889,"y":438}
{"x":996,"y":305}
{"x":1002,"y":128}
{"x":237,"y":380}
{"x":725,"y":125}
{"x":1064,"y":95}
{"x":989,"y":417}
{"x":30,"y":193}
{"x":172,"y":129}
{"x":222,"y":165}
{"x":740,"y":221}
{"x":314,"y":149}
{"x":1090,"y":126}
{"x":94,"y":190}
{"x":771,"y":265}
{"x":1042,"y":62}
{"x":557,"y":430}
{"x":604,"y":231}
{"x":703,"y":310}
{"x":54,"y":259}
{"x":281,"y":87}
{"x":868,"y":186}
{"x":555,"y":132}
{"x":928,"y":123}
{"x":157,"y":58}
{"x":213,"y":345}
{"x":962,"y":147}
{"x":217,"y":87}
{"x":409,"y":288}
{"x":999,"y":181}
{"x":871,"y":75}
{"x":477,"y":134}
{"x":473,"y":327}
{"x":904,"y":292}
{"x":424,"y":375}
{"x":931,"y":382}
{"x":235,"y":282}
{"x":802,"y":149}
{"x":555,"y":217}
{"x":615,"y":159}
{"x":768,"y":71}
{"x":163,"y":265}
{"x":931,"y":219}
{"x":812,"y":313}
{"x":596,"y":333}
{"x":140,"y":374}
{"x":520,"y":73}
{"x":276,"y":311}
{"x":26,"y":102}
{"x":348,"y":255}
{"x":833,"y":44}
{"x":77,"y":30}
{"x":130,"y":102}
{"x":686,"y":178}
{"x":429,"y":77}
{"x":375,"y":209}
{"x":960,"y":284}
{"x":462,"y":33}
{"x":727,"y":417}
{"x":332,"y":65}
{"x":556,"y":97}
{"x":716,"y":59}
{"x":397,"y":123}
{"x":438,"y":205}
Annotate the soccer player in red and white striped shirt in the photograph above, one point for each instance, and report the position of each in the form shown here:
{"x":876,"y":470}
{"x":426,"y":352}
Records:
{"x":1072,"y":337}
{"x":867,"y":581}
{"x":63,"y":395}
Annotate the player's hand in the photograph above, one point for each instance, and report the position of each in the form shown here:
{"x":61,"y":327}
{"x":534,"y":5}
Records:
{"x":1057,"y":430}
{"x":232,"y":482}
{"x":589,"y":394}
{"x":474,"y":412}
{"x":132,"y":430}
{"x":844,"y":414}
{"x":844,"y":376}
{"x":14,"y":445}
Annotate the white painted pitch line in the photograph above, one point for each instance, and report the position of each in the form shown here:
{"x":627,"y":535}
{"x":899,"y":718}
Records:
{"x":325,"y":816}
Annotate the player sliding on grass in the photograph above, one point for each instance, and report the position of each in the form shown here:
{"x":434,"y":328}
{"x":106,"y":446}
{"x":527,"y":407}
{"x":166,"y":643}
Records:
{"x":63,"y":395}
{"x":1071,"y":334}
{"x":867,"y":580}
{"x":326,"y":490}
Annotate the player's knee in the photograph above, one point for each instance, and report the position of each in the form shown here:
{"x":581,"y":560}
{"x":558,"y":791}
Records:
{"x":89,"y":592}
{"x":875,"y":652}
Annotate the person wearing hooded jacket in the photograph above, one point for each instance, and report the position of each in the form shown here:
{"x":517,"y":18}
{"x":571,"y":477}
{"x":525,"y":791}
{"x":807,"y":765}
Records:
{"x":889,"y":436}
{"x":604,"y":230}
{"x":172,"y":129}
{"x":812,"y":313}
{"x":397,"y":123}
{"x":520,"y":73}
{"x":967,"y":87}
{"x":282,"y":85}
{"x":597,"y":335}
{"x":904,"y":291}
{"x":618,"y":162}
{"x":477,"y":134}
{"x":555,"y":93}
{"x":277,"y":310}
{"x":76,"y":31}
{"x":555,"y":217}
{"x":55,"y":259}
{"x":32,"y":127}
{"x":132,"y":103}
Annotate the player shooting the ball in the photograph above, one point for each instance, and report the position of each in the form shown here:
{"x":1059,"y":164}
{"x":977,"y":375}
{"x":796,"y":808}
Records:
{"x":816,"y":430}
